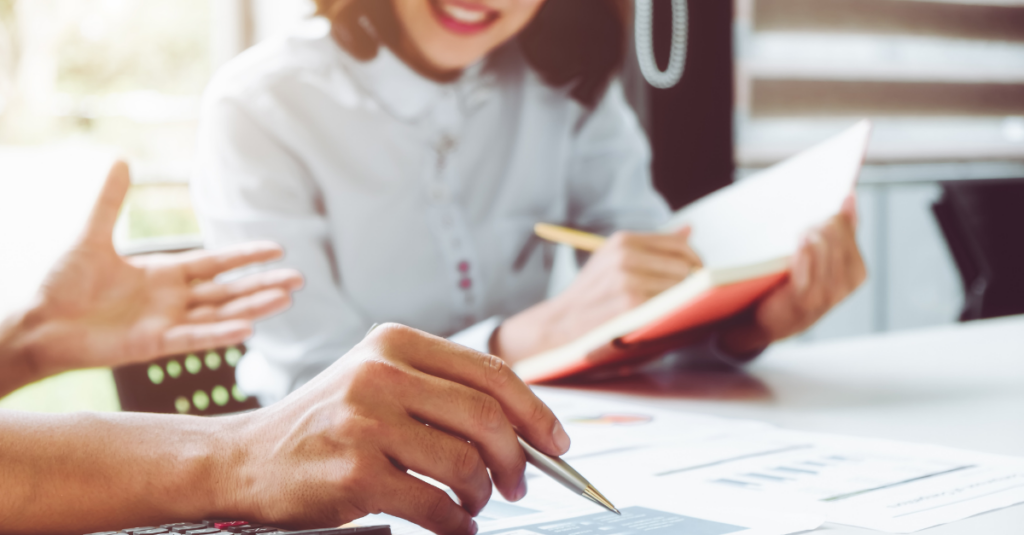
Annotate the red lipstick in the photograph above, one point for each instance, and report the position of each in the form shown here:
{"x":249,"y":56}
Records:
{"x":463,"y":18}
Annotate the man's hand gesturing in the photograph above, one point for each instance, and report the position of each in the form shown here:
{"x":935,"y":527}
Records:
{"x":340,"y":447}
{"x":96,"y":308}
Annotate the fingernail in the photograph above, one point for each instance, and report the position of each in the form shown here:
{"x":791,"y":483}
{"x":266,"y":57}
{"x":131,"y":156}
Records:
{"x":560,"y":437}
{"x":850,"y":209}
{"x":521,"y":489}
{"x":473,"y":528}
{"x":849,"y":204}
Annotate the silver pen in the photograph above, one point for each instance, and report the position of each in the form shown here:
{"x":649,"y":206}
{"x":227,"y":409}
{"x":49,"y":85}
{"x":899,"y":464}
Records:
{"x":558,"y":470}
{"x":561,"y":472}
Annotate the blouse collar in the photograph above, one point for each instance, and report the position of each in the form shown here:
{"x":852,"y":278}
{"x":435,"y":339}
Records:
{"x":407,"y":94}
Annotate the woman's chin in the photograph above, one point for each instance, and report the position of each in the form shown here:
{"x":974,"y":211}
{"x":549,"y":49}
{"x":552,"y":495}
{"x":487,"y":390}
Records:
{"x":453,"y":60}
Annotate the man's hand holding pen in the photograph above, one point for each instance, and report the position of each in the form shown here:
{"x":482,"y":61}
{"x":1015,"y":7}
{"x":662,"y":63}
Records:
{"x":341,"y":445}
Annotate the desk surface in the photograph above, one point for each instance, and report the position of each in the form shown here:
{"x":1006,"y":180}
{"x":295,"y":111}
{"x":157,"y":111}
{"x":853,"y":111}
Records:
{"x":960,"y":386}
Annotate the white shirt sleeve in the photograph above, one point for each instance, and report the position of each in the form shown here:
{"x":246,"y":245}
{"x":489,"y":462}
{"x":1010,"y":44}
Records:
{"x":250,"y":187}
{"x":610,"y":173}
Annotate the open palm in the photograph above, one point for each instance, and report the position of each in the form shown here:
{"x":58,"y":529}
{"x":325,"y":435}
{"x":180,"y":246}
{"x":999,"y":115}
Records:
{"x":96,"y":308}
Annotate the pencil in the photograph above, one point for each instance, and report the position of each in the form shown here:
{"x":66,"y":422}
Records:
{"x":578,"y":239}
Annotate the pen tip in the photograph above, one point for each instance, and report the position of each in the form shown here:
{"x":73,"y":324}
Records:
{"x":596,"y":496}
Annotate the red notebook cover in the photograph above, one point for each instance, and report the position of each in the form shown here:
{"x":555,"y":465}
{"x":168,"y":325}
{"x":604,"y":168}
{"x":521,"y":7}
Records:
{"x":677,"y":329}
{"x":778,"y":206}
{"x":715,"y":304}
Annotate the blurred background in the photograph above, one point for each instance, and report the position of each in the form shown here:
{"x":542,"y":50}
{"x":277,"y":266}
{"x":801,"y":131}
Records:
{"x":83,"y":81}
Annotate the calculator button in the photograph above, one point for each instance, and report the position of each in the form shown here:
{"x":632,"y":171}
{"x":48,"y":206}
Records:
{"x":176,"y":525}
{"x":156,"y":531}
{"x":364,"y":530}
{"x":187,"y":527}
{"x":207,"y":531}
{"x":230,"y":524}
{"x":103,"y":533}
{"x":133,"y":531}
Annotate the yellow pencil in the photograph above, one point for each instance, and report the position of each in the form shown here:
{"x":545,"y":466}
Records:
{"x":583,"y":241}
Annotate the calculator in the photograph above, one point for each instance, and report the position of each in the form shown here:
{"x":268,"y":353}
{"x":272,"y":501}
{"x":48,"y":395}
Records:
{"x":231,"y":527}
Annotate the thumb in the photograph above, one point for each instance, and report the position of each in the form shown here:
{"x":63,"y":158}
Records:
{"x":100,"y":226}
{"x":684,"y":231}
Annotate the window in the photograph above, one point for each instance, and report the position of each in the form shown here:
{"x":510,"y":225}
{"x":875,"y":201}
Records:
{"x":83,"y":82}
{"x":110,"y":77}
{"x":943,"y":81}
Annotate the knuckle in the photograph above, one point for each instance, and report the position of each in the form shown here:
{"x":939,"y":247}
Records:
{"x":539,"y":413}
{"x":358,"y":474}
{"x":390,"y":335}
{"x":466,"y":462}
{"x":489,"y":415}
{"x":438,"y":507}
{"x":496,"y":373}
{"x":374,"y":371}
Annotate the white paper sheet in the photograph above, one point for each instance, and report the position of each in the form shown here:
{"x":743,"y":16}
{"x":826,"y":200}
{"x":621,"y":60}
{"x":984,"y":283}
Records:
{"x":651,"y":520}
{"x":765,"y":215}
{"x":694,"y":465}
{"x":878,"y":484}
{"x":598,"y":425}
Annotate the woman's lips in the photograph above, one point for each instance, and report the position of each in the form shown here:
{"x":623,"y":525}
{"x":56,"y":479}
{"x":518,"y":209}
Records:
{"x":461,"y":17}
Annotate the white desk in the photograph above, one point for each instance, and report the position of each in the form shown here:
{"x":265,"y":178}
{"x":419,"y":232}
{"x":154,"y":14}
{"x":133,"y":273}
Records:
{"x":960,"y":386}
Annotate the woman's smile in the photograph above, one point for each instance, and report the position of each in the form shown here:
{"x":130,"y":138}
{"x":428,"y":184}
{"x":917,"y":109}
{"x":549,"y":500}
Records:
{"x":463,"y":17}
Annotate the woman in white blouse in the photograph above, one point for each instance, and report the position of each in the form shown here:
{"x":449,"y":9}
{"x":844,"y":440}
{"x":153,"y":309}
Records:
{"x":402,"y":153}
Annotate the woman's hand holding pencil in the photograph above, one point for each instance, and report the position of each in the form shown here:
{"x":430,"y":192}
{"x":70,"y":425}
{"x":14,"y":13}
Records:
{"x":626,"y":269}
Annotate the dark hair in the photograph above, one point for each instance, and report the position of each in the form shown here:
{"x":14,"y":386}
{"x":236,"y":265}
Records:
{"x":573,"y":43}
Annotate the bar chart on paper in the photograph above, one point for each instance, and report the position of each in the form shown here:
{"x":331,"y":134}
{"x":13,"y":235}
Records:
{"x":878,"y":484}
{"x":829,"y":476}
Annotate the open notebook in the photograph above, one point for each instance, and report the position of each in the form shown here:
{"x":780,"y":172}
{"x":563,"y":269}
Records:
{"x":744,"y":234}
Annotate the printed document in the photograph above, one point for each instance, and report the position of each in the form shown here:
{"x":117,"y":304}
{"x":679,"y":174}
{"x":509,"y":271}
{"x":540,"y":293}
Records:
{"x":668,"y":470}
{"x":650,"y":521}
{"x":878,"y":484}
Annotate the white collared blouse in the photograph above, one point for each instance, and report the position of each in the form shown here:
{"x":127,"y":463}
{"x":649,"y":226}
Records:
{"x":403,"y":199}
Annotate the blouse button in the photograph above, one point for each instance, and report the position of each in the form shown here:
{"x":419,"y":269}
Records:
{"x":465,"y":283}
{"x":445,"y":144}
{"x":463,"y":266}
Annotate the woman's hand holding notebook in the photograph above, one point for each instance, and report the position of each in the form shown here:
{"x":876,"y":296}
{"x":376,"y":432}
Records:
{"x":746,"y":235}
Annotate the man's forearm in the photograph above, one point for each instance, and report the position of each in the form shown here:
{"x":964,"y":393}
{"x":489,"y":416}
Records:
{"x":86,"y":472}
